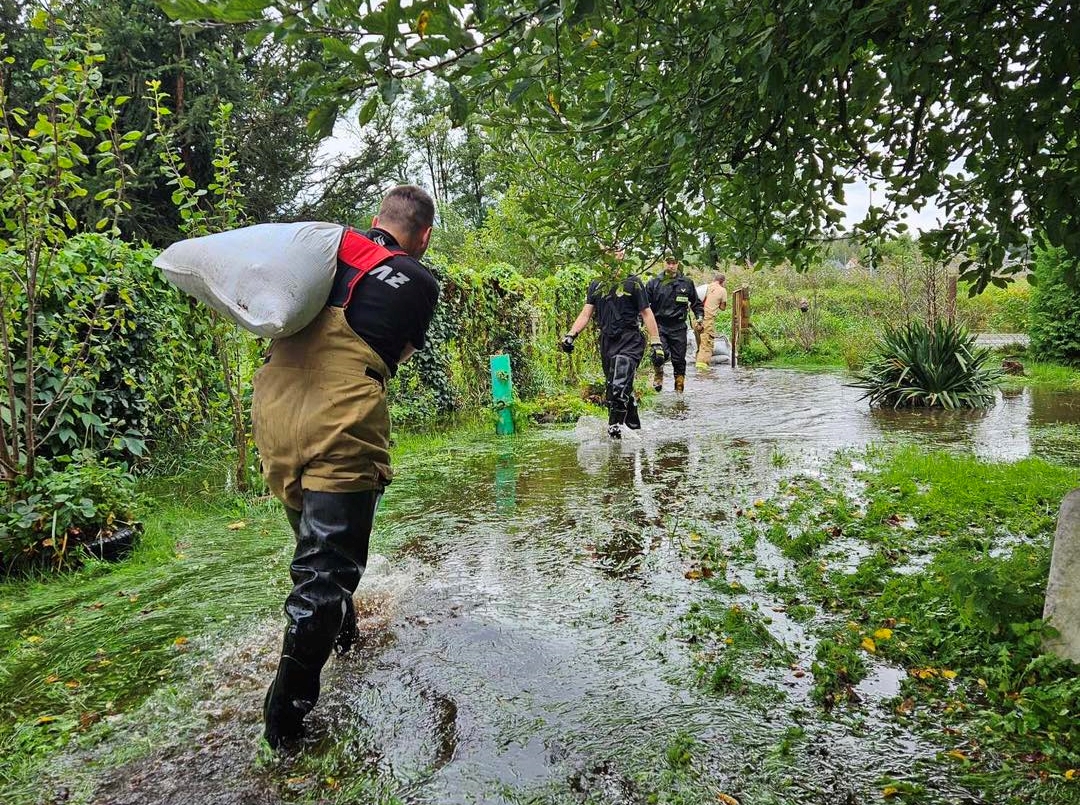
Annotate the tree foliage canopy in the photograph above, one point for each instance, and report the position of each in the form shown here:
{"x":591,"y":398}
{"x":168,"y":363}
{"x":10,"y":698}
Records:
{"x":739,"y":120}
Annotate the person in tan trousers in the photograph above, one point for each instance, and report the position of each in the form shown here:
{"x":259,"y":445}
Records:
{"x":715,"y":301}
{"x":321,"y":422}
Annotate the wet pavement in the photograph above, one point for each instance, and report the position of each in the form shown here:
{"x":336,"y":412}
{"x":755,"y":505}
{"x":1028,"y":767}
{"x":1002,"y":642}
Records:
{"x":523,"y":644}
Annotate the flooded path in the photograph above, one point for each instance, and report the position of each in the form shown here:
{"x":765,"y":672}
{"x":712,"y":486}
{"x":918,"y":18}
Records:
{"x":524,"y":644}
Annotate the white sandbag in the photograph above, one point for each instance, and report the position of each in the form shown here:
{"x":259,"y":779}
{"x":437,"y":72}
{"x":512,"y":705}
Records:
{"x":721,"y":346}
{"x":271,"y":279}
{"x":719,"y":360}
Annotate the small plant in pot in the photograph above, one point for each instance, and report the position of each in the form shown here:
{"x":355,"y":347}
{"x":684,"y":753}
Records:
{"x":916,"y":366}
{"x":76,"y":506}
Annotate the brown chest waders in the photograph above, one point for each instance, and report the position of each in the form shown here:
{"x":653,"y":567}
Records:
{"x":321,"y":422}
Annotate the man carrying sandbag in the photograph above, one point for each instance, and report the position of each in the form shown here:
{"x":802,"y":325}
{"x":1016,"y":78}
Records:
{"x":715,"y":301}
{"x":320,"y":419}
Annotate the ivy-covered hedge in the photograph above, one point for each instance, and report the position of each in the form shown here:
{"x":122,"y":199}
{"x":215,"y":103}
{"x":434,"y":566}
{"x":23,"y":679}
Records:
{"x":146,"y":373}
{"x":1055,"y":308}
{"x":484,"y":310}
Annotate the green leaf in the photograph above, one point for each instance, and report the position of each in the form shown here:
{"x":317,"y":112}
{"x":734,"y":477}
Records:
{"x":368,"y":110}
{"x":321,"y":119}
{"x":459,"y":106}
{"x":519,"y":89}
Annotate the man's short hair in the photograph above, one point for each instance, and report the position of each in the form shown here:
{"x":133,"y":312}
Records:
{"x":719,"y":278}
{"x":408,"y":206}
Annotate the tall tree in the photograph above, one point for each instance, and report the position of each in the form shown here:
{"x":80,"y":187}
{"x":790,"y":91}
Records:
{"x":746,"y":116}
{"x":199,"y":68}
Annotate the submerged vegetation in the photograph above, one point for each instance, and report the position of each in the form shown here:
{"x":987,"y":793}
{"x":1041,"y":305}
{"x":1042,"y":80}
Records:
{"x":935,"y":564}
{"x":896,"y":592}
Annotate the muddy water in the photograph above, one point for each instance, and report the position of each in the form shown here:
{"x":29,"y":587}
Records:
{"x":523,"y":644}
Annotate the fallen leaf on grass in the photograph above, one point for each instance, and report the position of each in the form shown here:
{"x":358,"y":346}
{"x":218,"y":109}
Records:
{"x":727,"y":799}
{"x":51,"y":678}
{"x":237,"y":525}
{"x":956,"y":754}
{"x":1070,"y":774}
{"x":889,"y":791}
{"x":45,"y":720}
{"x":906,"y":706}
{"x":948,"y":674}
{"x":72,"y":684}
{"x":35,"y":639}
{"x":883,"y":634}
{"x":868,"y":644}
{"x":180,"y":641}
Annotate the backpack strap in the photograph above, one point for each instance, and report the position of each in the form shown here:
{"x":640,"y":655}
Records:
{"x":358,"y":255}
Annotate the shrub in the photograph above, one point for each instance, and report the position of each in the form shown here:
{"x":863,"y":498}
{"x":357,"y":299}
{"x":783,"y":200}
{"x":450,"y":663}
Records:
{"x":1055,"y":308}
{"x":72,"y":500}
{"x":146,"y":370}
{"x":916,"y":366}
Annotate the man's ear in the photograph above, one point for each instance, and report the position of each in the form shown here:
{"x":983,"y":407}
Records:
{"x":374,"y":221}
{"x":425,"y":238}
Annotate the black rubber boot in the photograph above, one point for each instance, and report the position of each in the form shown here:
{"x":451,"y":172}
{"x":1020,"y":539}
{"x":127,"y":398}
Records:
{"x":348,"y":633}
{"x":293,"y":516}
{"x":633,"y":420}
{"x":331,"y":553}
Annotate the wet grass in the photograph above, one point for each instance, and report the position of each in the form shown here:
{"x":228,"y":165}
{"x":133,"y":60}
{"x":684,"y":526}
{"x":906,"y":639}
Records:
{"x":94,"y":643}
{"x":80,"y":649}
{"x":1049,"y":376}
{"x":954,"y":561}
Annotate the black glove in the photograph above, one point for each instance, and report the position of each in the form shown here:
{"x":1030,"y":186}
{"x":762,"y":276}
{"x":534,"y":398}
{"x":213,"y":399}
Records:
{"x":658,"y":355}
{"x":567,"y":343}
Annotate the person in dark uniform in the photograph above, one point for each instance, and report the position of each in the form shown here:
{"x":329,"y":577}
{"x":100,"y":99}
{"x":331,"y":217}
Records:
{"x":672,"y":295}
{"x":320,"y":419}
{"x":622,"y":344}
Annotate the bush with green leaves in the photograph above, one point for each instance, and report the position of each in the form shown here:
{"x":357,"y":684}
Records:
{"x":1055,"y":308}
{"x":916,"y":366}
{"x":71,"y":500}
{"x":122,"y":358}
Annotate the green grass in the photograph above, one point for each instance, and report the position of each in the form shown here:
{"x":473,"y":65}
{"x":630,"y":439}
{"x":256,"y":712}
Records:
{"x":1049,"y":376}
{"x":92,"y":643}
{"x":965,"y":622}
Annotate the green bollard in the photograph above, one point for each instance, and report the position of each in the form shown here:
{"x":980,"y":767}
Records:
{"x":502,"y":393}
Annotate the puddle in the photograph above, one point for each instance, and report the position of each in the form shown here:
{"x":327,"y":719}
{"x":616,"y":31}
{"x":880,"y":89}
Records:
{"x":516,"y":649}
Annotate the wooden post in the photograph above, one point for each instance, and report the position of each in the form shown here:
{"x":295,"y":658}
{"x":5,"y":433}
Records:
{"x":950,"y":300}
{"x":740,"y":320}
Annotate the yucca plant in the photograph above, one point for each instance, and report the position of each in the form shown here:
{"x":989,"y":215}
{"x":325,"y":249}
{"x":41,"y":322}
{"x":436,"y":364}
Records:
{"x":916,"y":366}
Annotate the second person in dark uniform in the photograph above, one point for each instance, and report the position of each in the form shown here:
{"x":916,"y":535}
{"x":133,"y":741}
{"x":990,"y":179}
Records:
{"x":672,"y":295}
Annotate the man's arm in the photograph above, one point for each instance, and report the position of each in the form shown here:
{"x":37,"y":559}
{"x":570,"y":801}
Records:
{"x":407,"y":353}
{"x":581,"y":321}
{"x":650,"y":325}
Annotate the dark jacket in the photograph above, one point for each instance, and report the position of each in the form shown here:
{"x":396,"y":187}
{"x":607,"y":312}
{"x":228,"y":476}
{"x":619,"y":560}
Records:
{"x":618,"y":308}
{"x":671,"y":297}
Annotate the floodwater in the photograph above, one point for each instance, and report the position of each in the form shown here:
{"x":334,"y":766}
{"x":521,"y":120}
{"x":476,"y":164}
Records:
{"x":523,"y":644}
